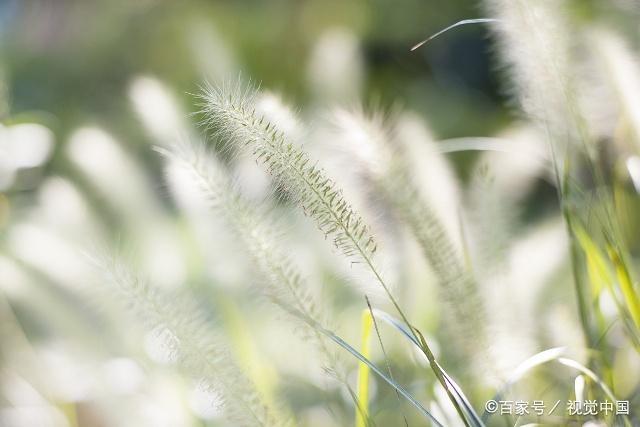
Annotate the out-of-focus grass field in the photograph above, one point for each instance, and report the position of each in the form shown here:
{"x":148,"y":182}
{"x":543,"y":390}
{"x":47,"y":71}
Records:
{"x":199,"y":200}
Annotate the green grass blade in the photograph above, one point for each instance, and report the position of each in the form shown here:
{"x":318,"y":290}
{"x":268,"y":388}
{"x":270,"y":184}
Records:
{"x":382,"y":375}
{"x":626,"y":285}
{"x":355,"y":353}
{"x":454,"y":391}
{"x":386,"y":358}
{"x":596,"y":263}
{"x":362,"y":411}
{"x":583,"y":305}
{"x":601,"y":276}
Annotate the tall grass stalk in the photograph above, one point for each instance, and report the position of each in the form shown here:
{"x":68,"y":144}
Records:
{"x":230,"y":113}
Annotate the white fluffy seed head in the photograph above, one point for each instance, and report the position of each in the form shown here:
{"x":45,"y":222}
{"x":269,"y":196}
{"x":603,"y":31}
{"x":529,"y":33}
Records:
{"x":534,"y":45}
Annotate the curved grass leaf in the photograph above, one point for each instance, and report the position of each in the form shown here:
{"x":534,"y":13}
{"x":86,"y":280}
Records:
{"x":547,"y":356}
{"x":601,"y":276}
{"x":454,"y":391}
{"x":450,"y":27}
{"x":355,"y":353}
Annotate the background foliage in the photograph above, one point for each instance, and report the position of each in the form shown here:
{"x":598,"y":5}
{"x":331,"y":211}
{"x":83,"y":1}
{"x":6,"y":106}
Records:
{"x":496,"y":167}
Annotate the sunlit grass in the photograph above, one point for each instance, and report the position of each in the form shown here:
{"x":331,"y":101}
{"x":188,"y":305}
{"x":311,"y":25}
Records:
{"x":275,"y":263}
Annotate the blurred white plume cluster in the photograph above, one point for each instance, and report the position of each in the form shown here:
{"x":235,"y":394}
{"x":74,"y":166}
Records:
{"x":231,"y":255}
